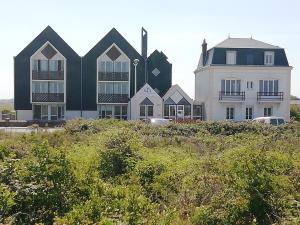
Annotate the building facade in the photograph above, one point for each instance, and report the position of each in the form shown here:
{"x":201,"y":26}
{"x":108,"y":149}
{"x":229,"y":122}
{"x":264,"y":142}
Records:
{"x":242,"y":78}
{"x":52,"y":82}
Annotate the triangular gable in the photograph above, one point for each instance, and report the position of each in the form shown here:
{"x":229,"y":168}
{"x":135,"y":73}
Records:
{"x":146,"y":101}
{"x":146,"y":89}
{"x":48,"y":35}
{"x":169,"y":101}
{"x":175,"y":88}
{"x":183,"y":101}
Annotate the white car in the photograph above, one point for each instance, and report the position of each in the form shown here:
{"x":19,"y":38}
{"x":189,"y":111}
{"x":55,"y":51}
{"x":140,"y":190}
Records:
{"x":159,"y":121}
{"x":272,"y":120}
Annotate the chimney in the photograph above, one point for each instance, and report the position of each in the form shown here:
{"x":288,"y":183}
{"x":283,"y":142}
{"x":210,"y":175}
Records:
{"x":144,"y":43}
{"x":204,"y":52}
{"x":144,"y":36}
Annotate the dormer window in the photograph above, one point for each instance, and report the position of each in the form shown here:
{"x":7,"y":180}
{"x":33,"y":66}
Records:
{"x":269,"y":58}
{"x":231,"y":57}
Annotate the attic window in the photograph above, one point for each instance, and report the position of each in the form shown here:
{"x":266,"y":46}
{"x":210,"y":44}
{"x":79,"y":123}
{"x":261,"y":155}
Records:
{"x":231,"y":57}
{"x":269,"y":58}
{"x":49,"y":52}
{"x":113,"y":53}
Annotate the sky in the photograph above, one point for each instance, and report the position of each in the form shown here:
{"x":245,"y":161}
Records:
{"x":175,"y":27}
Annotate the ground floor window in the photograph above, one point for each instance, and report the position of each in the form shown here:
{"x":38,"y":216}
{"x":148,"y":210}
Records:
{"x":113,"y":111}
{"x":177,"y":111}
{"x":268,"y":111}
{"x":198,"y":112}
{"x":146,"y":111}
{"x":230,"y":113}
{"x":48,"y":112}
{"x":249,"y":113}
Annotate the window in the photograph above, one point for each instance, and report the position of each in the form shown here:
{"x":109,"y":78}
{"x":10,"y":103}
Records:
{"x":53,"y":65}
{"x":269,"y":58}
{"x":43,"y":65}
{"x":56,"y":87}
{"x":268,"y":86}
{"x":231,"y":57}
{"x":187,"y":111}
{"x":231,"y":87}
{"x":146,"y":111}
{"x":113,"y":88}
{"x":249,"y":113}
{"x":35,"y":65}
{"x":268,"y":111}
{"x":44,"y":114}
{"x":47,"y":87}
{"x":113,"y":111}
{"x":48,"y":112}
{"x":198,"y":112}
{"x":230,"y":113}
{"x":249,"y":85}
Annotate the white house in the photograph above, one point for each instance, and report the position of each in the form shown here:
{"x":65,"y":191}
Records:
{"x":177,"y":104}
{"x":242,"y":78}
{"x":146,"y":104}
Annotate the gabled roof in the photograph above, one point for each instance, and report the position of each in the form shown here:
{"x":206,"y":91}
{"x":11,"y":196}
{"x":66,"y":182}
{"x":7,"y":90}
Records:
{"x":48,"y":34}
{"x":113,"y":36}
{"x":149,"y":90}
{"x":244,"y":43}
{"x":174,"y":89}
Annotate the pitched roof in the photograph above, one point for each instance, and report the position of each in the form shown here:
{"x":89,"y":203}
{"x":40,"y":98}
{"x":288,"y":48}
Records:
{"x":113,"y":36}
{"x":244,"y":43}
{"x":48,"y":34}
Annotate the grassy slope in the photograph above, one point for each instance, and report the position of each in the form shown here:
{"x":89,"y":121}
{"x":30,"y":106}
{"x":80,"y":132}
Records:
{"x":207,"y":173}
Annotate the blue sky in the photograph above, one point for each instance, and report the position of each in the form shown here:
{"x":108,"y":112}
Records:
{"x":175,"y":27}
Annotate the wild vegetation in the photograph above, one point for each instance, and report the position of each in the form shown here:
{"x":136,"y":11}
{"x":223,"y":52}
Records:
{"x":115,"y":172}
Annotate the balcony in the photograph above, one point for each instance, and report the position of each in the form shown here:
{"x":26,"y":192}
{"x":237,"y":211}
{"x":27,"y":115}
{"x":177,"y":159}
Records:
{"x":113,"y":76}
{"x":232,"y":96}
{"x":47,"y":75}
{"x":113,"y":98}
{"x":269,"y":96}
{"x":47,"y":97}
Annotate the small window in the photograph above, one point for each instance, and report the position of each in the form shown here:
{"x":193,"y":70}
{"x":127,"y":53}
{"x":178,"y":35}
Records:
{"x":249,"y":113}
{"x":231,"y":57}
{"x":230,"y":113}
{"x":142,"y":111}
{"x":249,"y":85}
{"x":268,"y":111}
{"x":269,"y":58}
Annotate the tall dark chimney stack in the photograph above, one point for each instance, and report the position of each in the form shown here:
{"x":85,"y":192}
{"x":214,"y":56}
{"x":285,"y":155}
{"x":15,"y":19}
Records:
{"x":204,"y":52}
{"x":144,"y":43}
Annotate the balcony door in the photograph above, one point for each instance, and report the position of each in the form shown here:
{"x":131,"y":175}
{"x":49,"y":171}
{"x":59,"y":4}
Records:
{"x":231,"y":87}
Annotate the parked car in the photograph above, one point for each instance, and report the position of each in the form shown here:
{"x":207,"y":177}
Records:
{"x":272,"y":120}
{"x":159,"y":121}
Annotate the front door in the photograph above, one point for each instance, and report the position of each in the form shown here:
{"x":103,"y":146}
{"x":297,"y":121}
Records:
{"x":180,"y":112}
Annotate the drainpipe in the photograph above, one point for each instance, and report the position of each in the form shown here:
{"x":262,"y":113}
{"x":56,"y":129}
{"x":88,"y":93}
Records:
{"x":81,"y":87}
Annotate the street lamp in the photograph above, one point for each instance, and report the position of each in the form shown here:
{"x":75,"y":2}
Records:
{"x":135,"y":63}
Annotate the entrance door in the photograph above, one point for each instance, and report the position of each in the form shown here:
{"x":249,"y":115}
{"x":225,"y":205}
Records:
{"x":172,"y":111}
{"x":180,"y":112}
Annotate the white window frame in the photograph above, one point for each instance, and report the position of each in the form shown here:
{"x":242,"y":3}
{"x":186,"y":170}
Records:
{"x":249,"y":116}
{"x":269,"y":58}
{"x":269,"y":111}
{"x":230,"y":113}
{"x":231,"y":57}
{"x":230,"y":91}
{"x":146,"y":108}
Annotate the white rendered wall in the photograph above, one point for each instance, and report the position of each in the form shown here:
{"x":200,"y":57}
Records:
{"x":90,"y":114}
{"x":208,"y":85}
{"x":72,"y":115}
{"x":146,"y":92}
{"x":24,"y":114}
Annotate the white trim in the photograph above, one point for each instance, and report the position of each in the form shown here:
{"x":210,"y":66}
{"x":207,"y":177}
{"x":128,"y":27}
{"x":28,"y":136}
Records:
{"x":97,"y":70}
{"x":65,"y":73}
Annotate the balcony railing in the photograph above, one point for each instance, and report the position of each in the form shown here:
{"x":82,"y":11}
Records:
{"x":47,"y":75}
{"x":115,"y":76}
{"x":269,"y":96}
{"x":47,"y":97}
{"x":232,"y":96}
{"x":113,"y":98}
